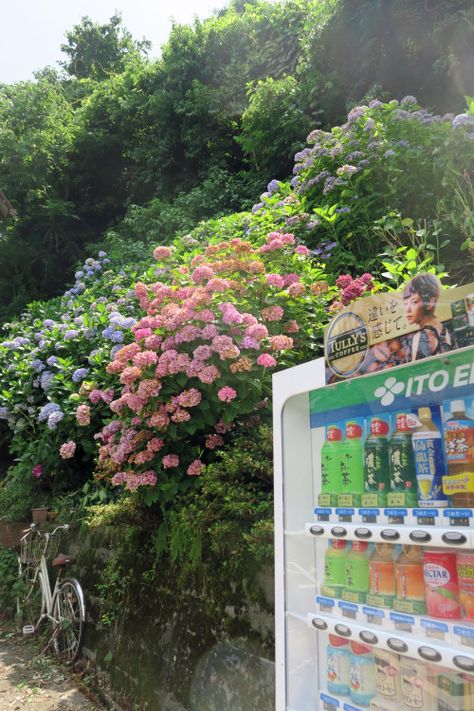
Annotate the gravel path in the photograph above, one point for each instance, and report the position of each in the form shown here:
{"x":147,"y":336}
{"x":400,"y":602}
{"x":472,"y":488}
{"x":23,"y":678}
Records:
{"x":28,"y":682}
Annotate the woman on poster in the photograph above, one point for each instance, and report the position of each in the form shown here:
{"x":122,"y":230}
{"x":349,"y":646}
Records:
{"x":420,"y":297}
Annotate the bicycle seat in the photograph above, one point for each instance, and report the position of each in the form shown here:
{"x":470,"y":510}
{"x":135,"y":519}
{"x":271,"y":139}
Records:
{"x":62,"y":559}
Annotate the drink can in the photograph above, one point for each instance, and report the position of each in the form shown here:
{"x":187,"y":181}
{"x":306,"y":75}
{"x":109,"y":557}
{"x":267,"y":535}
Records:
{"x":465,"y":571}
{"x":441,"y":585}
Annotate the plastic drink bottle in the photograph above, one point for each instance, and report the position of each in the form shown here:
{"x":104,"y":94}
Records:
{"x":331,"y":481}
{"x":388,"y":680}
{"x":429,"y":461}
{"x":410,"y":581}
{"x":338,"y":664}
{"x":465,"y":572}
{"x":382,"y":575}
{"x":376,"y":463}
{"x":334,"y":567}
{"x":418,"y":690}
{"x":459,"y":442}
{"x":352,"y":465}
{"x":403,"y":487}
{"x":362,"y":674}
{"x":357,"y":570}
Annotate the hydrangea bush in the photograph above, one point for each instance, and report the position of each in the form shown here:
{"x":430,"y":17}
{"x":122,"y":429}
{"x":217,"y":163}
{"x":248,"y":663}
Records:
{"x":209,"y":339}
{"x":389,"y":159}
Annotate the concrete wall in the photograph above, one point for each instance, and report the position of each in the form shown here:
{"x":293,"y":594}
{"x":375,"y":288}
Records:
{"x":170,"y":646}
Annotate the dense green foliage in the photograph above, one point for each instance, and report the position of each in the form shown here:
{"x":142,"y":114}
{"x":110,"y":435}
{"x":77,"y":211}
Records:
{"x":165,"y":143}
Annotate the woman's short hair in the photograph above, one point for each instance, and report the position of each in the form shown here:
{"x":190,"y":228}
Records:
{"x":427,"y":286}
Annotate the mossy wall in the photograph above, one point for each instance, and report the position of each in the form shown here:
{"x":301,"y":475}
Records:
{"x":168,"y":642}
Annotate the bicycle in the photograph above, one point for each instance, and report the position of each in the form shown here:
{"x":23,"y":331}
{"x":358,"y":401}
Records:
{"x":64,"y":606}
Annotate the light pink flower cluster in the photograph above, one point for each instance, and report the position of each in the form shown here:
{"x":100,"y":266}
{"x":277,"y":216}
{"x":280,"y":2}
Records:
{"x":67,"y":450}
{"x":227,"y":394}
{"x":219,"y":318}
{"x":161,"y":253}
{"x":83,"y":415}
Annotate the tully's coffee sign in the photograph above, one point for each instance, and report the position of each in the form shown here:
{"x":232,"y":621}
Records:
{"x":384,"y":330}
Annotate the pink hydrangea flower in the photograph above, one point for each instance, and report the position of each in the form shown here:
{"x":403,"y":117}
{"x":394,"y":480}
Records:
{"x":195,"y":468}
{"x":161,"y":253}
{"x":272,"y":313}
{"x":95,"y":396}
{"x":275,"y":280}
{"x":83,"y":415}
{"x":37,"y":471}
{"x":213,"y":441}
{"x":295,"y":290}
{"x":189,"y":398}
{"x":67,"y":450}
{"x":226,"y":394}
{"x":201,"y":274}
{"x":266,"y":360}
{"x":170,"y":461}
{"x":301,"y":249}
{"x":281,"y":343}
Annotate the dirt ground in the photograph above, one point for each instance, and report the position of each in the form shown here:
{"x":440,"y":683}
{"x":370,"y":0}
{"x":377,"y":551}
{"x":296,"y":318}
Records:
{"x":37,"y":683}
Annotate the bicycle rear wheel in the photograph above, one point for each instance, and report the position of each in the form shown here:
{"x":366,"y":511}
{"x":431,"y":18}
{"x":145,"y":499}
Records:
{"x":69,"y":613}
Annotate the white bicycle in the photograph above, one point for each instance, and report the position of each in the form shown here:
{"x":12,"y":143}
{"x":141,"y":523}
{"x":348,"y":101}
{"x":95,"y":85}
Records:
{"x":64,"y":606}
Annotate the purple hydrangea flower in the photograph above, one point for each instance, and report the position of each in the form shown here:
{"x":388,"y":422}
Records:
{"x":48,"y":323}
{"x":54,"y":419}
{"x":47,"y":410}
{"x":46,"y":379}
{"x":72,"y":333}
{"x":52,"y":360}
{"x":80,"y":374}
{"x":37,"y":365}
{"x":272,"y":186}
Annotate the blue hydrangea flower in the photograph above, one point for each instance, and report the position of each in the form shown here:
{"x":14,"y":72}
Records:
{"x":47,"y":410}
{"x":102,"y":254}
{"x":52,"y":360}
{"x":342,"y":210}
{"x":113,"y":351}
{"x":106,"y":261}
{"x":54,"y":419}
{"x":69,"y":335}
{"x":46,"y":379}
{"x":272,"y":186}
{"x":48,"y":323}
{"x":80,"y":374}
{"x":257,"y":207}
{"x":4,"y":413}
{"x":37,"y":365}
{"x":389,"y":153}
{"x":112,"y":335}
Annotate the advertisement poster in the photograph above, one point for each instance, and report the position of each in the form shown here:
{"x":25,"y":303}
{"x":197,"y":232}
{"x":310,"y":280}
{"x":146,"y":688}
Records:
{"x":382,"y":331}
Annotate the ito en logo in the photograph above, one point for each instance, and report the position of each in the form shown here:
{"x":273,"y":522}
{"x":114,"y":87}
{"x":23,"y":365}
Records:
{"x":386,"y":392}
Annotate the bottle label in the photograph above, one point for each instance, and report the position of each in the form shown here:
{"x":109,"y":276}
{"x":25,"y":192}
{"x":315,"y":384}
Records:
{"x":465,"y":571}
{"x":413,"y":687}
{"x":459,"y":439}
{"x":338,"y":671}
{"x":430,"y":468}
{"x":362,"y":678}
{"x":441,"y":585}
{"x":387,"y":675}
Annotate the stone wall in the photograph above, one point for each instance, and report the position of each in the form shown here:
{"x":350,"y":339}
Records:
{"x":171,"y":647}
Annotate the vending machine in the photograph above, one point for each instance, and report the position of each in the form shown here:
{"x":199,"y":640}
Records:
{"x":374,"y":530}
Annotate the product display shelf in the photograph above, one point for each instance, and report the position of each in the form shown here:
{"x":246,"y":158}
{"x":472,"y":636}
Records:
{"x":430,"y":536}
{"x":405,"y":644}
{"x":444,"y":517}
{"x":458,"y":633}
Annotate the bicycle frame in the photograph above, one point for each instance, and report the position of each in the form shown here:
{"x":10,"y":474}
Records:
{"x":48,"y":596}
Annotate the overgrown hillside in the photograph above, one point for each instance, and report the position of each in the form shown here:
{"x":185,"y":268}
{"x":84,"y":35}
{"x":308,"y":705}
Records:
{"x":149,"y":148}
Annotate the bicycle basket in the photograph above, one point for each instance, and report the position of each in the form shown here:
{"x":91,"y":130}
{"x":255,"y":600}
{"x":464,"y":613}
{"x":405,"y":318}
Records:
{"x":35,"y":544}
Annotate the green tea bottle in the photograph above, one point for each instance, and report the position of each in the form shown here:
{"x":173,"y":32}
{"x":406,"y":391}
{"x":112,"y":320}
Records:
{"x":331,"y":481}
{"x":376,"y":461}
{"x":403,"y":484}
{"x":357,"y":572}
{"x":334,"y":568}
{"x":352,"y":466}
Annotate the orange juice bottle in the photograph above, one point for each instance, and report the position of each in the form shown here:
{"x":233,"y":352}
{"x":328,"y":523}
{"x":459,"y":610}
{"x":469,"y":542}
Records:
{"x":410,"y":581}
{"x":382,"y":576}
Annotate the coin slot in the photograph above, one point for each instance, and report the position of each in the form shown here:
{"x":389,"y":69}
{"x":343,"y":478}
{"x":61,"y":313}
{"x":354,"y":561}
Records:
{"x":316,"y":530}
{"x":398,"y":645}
{"x":338,"y":531}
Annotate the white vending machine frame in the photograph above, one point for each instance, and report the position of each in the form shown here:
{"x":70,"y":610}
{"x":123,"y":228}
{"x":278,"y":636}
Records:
{"x":300,"y":672}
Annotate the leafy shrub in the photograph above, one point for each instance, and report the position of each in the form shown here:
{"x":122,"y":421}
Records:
{"x":209,"y":338}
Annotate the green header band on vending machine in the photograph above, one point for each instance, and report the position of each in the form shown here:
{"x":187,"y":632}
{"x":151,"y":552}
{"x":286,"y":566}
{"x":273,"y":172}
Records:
{"x":425,"y":382}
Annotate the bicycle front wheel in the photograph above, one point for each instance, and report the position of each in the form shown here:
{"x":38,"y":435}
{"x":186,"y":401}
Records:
{"x":30,"y":602}
{"x":69,"y":613}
